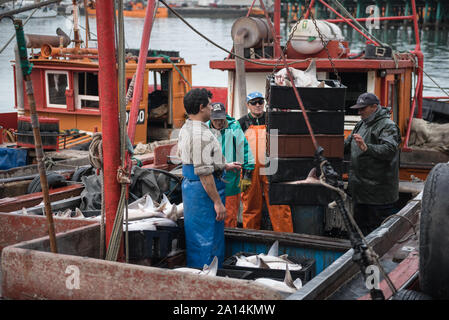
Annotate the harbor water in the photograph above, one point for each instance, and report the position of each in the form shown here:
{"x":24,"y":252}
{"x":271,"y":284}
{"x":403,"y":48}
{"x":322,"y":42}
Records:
{"x":172,"y":34}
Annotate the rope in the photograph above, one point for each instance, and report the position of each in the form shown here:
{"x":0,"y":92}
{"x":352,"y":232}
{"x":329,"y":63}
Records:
{"x":176,"y":68}
{"x":442,"y":89}
{"x":370,"y":252}
{"x":96,"y":160}
{"x":14,"y":35}
{"x":220,"y":47}
{"x":348,"y":14}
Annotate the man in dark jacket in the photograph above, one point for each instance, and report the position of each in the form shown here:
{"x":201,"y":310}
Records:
{"x":374,"y":170}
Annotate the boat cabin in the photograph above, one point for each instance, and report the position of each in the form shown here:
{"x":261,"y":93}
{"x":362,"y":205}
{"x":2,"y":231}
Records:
{"x":66,"y":87}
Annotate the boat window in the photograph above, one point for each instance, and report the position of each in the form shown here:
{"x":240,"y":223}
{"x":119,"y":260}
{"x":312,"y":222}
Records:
{"x":57,"y":83}
{"x":87,"y":83}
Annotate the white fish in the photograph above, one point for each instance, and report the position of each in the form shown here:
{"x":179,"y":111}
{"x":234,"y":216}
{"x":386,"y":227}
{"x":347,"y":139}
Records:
{"x":149,"y":224}
{"x":163,"y":210}
{"x":242,"y":261}
{"x":287,"y":286}
{"x":271,"y":260}
{"x":78,"y":214}
{"x":208,"y":270}
{"x":301,"y":78}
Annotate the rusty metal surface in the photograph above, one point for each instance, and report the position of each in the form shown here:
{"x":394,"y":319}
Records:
{"x":16,"y":228}
{"x":33,"y":199}
{"x":33,"y":274}
{"x":299,"y":146}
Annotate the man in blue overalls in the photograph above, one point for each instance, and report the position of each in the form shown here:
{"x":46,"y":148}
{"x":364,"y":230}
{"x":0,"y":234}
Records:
{"x":203,"y":190}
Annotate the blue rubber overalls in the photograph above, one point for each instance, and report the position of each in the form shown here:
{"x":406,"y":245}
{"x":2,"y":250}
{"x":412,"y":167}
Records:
{"x":204,"y":235}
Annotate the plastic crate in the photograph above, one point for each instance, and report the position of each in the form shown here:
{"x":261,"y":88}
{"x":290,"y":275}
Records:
{"x":332,"y":98}
{"x":154,"y":244}
{"x":305,"y":274}
{"x":322,"y":122}
{"x":299,"y":194}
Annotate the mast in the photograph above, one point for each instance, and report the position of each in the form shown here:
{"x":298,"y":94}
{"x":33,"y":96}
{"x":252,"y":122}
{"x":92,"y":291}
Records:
{"x":108,"y":94}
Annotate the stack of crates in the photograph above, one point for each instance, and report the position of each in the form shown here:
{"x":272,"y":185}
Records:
{"x":295,"y":155}
{"x":49,"y":130}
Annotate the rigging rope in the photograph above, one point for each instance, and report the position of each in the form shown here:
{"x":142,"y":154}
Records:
{"x":96,"y":160}
{"x":220,"y":47}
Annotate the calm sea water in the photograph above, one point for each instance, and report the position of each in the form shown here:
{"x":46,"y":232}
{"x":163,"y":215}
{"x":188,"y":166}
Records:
{"x":172,"y":34}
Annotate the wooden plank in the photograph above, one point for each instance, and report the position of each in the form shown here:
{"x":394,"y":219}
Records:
{"x":399,"y":276}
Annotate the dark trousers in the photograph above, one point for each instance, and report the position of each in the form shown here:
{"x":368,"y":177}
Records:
{"x":370,"y":216}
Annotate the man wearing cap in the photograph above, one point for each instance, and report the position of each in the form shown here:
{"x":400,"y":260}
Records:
{"x":373,"y":146}
{"x":203,"y":191}
{"x":235,"y":148}
{"x":253,"y":125}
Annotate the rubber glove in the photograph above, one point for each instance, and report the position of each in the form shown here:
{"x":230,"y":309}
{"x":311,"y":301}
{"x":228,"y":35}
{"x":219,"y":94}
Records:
{"x":245,"y":181}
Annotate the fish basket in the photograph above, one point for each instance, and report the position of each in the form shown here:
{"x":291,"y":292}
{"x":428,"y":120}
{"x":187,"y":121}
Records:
{"x":331,"y":99}
{"x":154,"y":244}
{"x":305,"y":274}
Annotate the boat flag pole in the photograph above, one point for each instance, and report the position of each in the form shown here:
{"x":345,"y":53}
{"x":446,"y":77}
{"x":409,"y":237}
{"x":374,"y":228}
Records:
{"x":26,"y":71}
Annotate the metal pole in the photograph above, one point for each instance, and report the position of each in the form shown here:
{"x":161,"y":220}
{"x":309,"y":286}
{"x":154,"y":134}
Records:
{"x":26,"y":71}
{"x":138,"y":87}
{"x":107,"y":79}
{"x":277,"y":27}
{"x":420,"y":57}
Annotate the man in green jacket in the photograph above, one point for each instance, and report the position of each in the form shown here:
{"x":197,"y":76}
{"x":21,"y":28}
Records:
{"x":234,"y":146}
{"x":374,"y":170}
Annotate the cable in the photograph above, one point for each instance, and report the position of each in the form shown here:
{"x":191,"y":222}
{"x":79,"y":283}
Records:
{"x":220,"y":47}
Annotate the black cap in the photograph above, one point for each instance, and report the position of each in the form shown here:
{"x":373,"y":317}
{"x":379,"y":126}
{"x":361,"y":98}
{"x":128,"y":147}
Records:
{"x":218,"y":111}
{"x":366,"y":99}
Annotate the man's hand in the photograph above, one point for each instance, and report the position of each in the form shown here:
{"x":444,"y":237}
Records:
{"x":220,"y":210}
{"x":234,"y":166}
{"x":360,"y":143}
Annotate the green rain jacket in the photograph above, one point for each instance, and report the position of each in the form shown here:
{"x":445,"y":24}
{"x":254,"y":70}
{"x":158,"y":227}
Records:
{"x":235,"y":147}
{"x":374,"y":174}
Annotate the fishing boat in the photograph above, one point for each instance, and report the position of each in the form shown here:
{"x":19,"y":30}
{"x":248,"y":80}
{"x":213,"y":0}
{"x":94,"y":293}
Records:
{"x":133,"y":9}
{"x":327,"y":261}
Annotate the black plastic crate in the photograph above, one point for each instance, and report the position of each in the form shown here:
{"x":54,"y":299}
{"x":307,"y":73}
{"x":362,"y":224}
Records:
{"x":300,"y":194}
{"x":332,"y":98}
{"x":322,"y":122}
{"x":235,"y":274}
{"x":154,"y":244}
{"x":305,"y":274}
{"x":292,"y":169}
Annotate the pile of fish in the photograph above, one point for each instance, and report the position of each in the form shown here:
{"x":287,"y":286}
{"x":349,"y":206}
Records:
{"x":300,"y":78}
{"x":270,"y":259}
{"x":149,"y":215}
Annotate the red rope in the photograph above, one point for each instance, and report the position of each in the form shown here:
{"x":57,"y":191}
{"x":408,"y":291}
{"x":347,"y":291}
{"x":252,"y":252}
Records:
{"x":304,"y":113}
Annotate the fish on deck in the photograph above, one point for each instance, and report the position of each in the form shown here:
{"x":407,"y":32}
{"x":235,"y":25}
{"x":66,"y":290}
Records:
{"x":287,"y":286}
{"x":208,"y":270}
{"x":271,"y":260}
